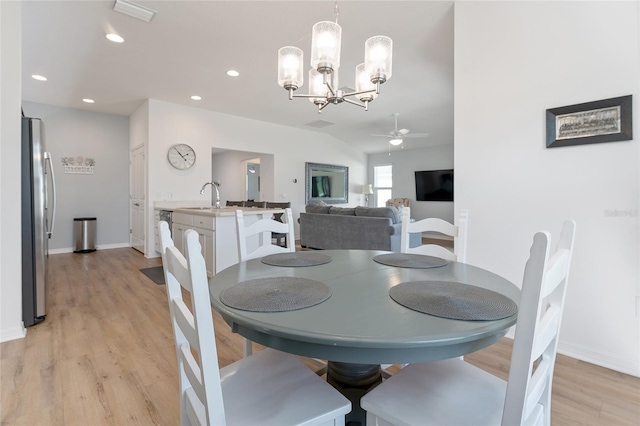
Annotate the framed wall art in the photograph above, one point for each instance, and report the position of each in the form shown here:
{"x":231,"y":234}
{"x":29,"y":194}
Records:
{"x":608,"y":120}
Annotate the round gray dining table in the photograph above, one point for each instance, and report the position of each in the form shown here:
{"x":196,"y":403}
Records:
{"x":360,"y":326}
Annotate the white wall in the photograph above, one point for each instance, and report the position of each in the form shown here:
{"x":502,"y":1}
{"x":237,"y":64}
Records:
{"x":514,"y":60}
{"x":407,"y":161}
{"x":228,"y":168}
{"x":171,"y":123}
{"x":11,"y":326}
{"x":104,"y":195}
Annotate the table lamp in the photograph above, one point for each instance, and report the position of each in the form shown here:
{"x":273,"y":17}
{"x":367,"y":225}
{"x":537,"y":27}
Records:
{"x":366,"y":191}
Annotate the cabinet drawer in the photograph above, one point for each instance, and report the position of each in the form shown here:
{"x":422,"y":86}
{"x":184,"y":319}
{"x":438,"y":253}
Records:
{"x":206,"y":222}
{"x":182,"y":218}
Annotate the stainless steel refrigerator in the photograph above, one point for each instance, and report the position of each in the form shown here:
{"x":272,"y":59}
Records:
{"x":38,"y":215}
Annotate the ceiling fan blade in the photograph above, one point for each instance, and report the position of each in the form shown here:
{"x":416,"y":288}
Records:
{"x":417,"y":135}
{"x":383,"y":136}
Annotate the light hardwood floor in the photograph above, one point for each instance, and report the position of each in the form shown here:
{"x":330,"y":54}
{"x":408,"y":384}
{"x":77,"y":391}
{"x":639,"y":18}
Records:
{"x":105,"y":356}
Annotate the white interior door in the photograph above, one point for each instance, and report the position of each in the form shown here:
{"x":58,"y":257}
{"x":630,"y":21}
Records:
{"x":137,"y":200}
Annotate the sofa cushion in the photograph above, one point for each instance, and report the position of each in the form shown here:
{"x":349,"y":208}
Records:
{"x":315,"y":208}
{"x":391,"y":212}
{"x":345,"y":211}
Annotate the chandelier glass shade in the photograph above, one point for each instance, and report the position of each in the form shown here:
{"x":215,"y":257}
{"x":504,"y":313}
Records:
{"x":325,"y":62}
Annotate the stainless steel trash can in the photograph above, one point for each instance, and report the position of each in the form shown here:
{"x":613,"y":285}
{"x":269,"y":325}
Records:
{"x":84,"y":234}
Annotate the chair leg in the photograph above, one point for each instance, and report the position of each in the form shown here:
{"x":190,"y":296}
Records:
{"x":247,"y":348}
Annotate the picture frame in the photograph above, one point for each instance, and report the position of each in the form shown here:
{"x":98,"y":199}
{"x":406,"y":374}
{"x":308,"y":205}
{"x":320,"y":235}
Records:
{"x":607,"y":120}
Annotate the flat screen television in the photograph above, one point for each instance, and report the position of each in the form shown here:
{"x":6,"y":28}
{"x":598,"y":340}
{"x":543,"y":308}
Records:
{"x":434,"y":185}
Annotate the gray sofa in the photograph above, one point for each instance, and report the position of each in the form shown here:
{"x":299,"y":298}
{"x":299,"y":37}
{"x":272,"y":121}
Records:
{"x":364,"y":228}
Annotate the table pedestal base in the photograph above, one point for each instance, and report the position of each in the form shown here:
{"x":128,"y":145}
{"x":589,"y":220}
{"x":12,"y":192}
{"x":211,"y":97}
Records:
{"x":354,"y":381}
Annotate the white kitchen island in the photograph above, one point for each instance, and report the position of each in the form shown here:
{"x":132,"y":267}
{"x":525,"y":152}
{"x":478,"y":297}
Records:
{"x":217,"y":231}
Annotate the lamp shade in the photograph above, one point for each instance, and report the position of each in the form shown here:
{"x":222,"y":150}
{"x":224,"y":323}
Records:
{"x":326,"y":38}
{"x":316,"y":86}
{"x":378,"y":52}
{"x":395,"y":141}
{"x":290,"y":67}
{"x":367,"y":189}
{"x":363,"y":83}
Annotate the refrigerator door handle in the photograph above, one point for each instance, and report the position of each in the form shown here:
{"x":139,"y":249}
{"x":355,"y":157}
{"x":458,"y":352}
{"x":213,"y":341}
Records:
{"x":47,"y":157}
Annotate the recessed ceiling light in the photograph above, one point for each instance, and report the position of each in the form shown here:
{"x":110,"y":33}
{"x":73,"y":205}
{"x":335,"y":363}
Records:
{"x":233,"y":73}
{"x":196,"y":98}
{"x":114,"y":38}
{"x":87,"y":100}
{"x":39,"y":77}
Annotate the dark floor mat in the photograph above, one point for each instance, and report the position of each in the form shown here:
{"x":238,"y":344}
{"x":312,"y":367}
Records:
{"x":156,"y":274}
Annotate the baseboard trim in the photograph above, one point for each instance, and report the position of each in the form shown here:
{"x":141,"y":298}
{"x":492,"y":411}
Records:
{"x":100,"y":247}
{"x":626,"y":366}
{"x":13,"y":334}
{"x":623,"y":365}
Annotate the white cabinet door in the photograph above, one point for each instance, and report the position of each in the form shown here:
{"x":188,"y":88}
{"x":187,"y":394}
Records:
{"x":207,"y":242}
{"x":177,"y":232}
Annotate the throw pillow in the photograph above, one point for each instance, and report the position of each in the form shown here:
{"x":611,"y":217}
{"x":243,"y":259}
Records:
{"x":314,"y":208}
{"x":345,"y":211}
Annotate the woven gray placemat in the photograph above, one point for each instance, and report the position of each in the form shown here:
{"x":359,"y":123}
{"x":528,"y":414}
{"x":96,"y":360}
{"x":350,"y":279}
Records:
{"x":275,"y":294}
{"x":296,"y":259}
{"x":409,"y":260}
{"x":453,"y":300}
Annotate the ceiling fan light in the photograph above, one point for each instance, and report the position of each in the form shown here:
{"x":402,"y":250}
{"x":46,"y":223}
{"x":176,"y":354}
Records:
{"x":363,"y":84}
{"x":395,"y":141}
{"x":378,"y":53}
{"x":326,"y":38}
{"x":290,"y":67}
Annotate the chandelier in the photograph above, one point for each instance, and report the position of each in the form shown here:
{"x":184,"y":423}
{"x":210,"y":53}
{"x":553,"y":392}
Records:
{"x":325,"y":62}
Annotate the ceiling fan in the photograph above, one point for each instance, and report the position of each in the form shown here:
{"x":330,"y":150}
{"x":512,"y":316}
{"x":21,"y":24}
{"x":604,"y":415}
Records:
{"x":396,"y":136}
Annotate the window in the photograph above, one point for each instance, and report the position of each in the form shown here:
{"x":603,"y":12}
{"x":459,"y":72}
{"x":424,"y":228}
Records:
{"x":383,"y":183}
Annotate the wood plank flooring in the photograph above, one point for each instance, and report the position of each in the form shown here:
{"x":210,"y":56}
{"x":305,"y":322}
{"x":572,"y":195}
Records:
{"x":105,"y":356}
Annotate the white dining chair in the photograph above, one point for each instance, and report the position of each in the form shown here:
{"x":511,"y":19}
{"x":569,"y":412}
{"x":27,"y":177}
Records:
{"x":268,"y":388}
{"x":433,"y":224}
{"x":454,"y":392}
{"x":262,"y":231}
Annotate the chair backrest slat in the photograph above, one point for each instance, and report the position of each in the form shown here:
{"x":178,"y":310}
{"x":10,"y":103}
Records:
{"x":433,"y":224}
{"x":192,"y":371}
{"x":557,"y":271}
{"x":184,"y":319}
{"x":537,"y":387}
{"x":178,"y":267}
{"x":263,"y":229}
{"x":547,"y":330}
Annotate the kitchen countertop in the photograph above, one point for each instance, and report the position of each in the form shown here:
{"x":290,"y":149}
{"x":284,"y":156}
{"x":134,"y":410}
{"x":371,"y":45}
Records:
{"x":225,"y":211}
{"x":171,"y":205}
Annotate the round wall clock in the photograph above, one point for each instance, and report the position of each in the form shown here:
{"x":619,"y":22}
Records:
{"x":181,"y":156}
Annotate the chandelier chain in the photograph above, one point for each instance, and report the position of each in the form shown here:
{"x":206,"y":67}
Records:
{"x":336,"y":10}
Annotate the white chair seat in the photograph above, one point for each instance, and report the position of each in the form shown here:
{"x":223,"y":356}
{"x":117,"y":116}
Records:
{"x":255,"y":390}
{"x":420,"y":394}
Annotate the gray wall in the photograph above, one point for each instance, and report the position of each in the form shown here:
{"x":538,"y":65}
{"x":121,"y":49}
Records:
{"x":105,"y":194}
{"x":405,"y":162}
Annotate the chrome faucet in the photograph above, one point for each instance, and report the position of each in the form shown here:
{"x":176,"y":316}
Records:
{"x":216,"y":185}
